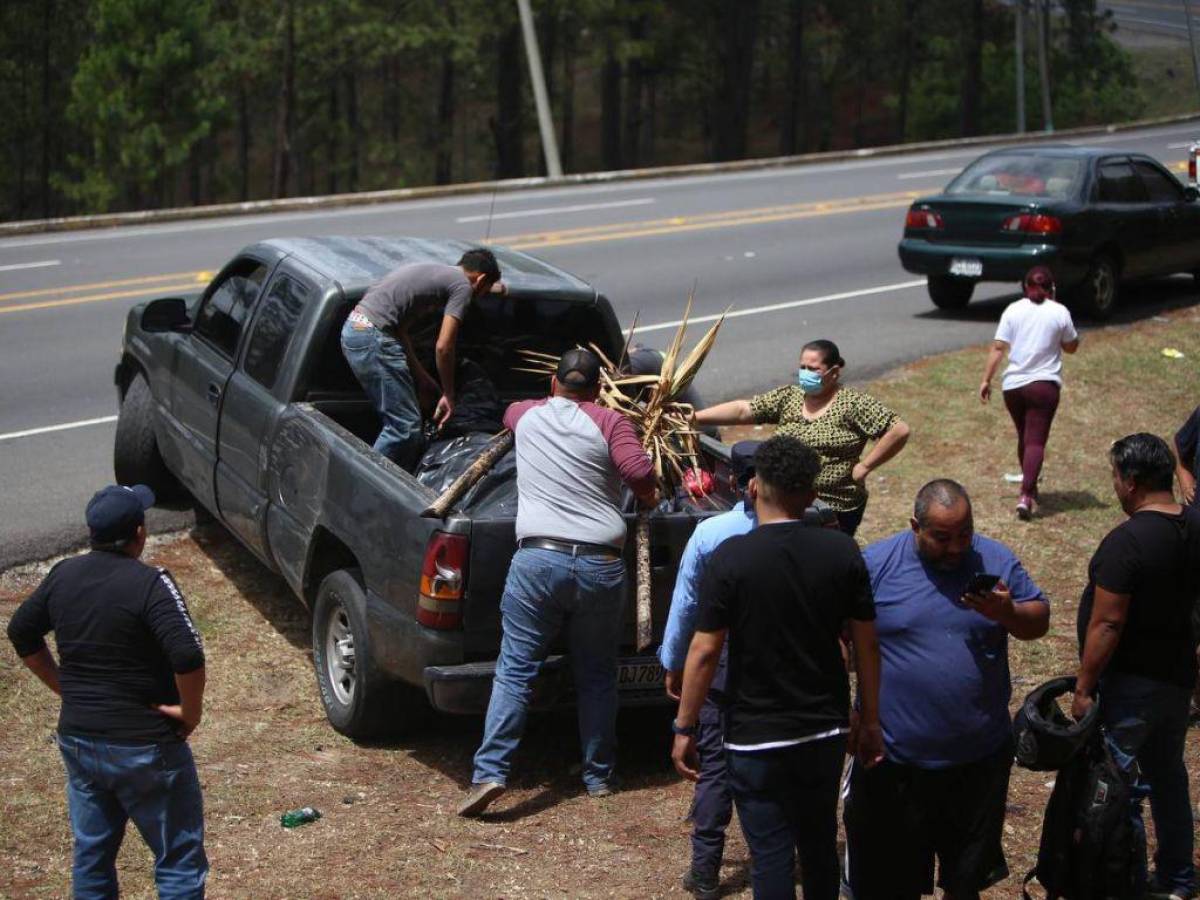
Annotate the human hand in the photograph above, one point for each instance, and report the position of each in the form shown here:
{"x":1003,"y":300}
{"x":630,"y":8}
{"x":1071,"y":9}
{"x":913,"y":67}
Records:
{"x":985,"y":392}
{"x":860,"y":472}
{"x":443,"y":411}
{"x":499,"y":287}
{"x":673,"y":684}
{"x":685,"y":758}
{"x":996,"y":605}
{"x":869,"y":745}
{"x":1080,"y":705}
{"x":186,"y":723}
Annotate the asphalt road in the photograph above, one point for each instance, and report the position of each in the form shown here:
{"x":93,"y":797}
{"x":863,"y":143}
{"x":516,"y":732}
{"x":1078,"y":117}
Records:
{"x":799,"y":253}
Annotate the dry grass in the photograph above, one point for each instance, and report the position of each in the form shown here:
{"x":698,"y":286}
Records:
{"x":388,"y":828}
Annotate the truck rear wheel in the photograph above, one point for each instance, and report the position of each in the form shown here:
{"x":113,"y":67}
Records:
{"x":360,"y":701}
{"x":136,"y":459}
{"x":949,"y":292}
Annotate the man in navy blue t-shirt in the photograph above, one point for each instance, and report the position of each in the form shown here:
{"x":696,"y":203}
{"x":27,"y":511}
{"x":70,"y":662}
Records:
{"x":943,"y":704}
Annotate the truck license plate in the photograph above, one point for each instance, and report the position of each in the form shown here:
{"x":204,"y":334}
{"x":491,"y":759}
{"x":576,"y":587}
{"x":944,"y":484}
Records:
{"x":968,"y":268}
{"x":639,"y":676}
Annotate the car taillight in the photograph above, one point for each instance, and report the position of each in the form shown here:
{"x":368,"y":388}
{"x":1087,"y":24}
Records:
{"x":1192,"y":167}
{"x":443,"y":581}
{"x":922,"y":218}
{"x":1033,"y":224}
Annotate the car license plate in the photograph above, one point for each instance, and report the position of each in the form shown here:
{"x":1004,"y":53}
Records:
{"x":639,"y":676}
{"x":968,"y":268}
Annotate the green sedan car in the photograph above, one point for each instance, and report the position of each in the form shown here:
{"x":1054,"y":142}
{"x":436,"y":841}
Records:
{"x":1095,"y":217}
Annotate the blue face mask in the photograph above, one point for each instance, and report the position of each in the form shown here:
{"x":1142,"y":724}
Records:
{"x":810,"y":381}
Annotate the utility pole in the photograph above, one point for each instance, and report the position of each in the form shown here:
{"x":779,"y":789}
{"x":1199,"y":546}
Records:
{"x":540,"y":98}
{"x":1187,"y":15}
{"x":1043,"y":29}
{"x":1020,"y":44}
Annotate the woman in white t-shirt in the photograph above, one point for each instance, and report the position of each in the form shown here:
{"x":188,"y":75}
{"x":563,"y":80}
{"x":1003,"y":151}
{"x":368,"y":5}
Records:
{"x":1034,"y":331}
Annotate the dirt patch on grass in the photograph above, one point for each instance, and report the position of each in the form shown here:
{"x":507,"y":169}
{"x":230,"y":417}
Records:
{"x":388,"y":827}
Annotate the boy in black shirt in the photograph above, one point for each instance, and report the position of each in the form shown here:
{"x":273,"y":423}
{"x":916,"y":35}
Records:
{"x":1137,"y":645}
{"x":783,"y":594}
{"x":131,"y":676}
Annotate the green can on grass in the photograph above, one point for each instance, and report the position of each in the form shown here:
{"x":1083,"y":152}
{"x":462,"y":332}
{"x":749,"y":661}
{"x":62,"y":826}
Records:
{"x":297,"y":817}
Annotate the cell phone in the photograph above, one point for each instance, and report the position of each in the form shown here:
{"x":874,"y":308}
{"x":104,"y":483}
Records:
{"x":982,"y":583}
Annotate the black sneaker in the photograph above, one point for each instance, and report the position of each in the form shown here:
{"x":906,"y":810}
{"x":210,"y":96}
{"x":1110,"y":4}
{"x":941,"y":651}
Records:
{"x":703,"y":885}
{"x":478,"y":798}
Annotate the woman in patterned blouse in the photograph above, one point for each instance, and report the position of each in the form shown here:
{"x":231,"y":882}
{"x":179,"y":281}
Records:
{"x":835,"y":421}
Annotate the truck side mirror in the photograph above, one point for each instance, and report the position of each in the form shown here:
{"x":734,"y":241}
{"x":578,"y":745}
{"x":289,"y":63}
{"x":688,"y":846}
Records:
{"x":167,"y":314}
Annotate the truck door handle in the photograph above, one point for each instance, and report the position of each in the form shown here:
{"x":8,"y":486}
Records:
{"x":214,"y":394}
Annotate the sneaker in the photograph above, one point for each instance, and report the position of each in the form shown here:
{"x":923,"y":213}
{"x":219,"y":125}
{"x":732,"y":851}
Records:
{"x":1025,"y":508}
{"x":704,"y":885}
{"x":479,"y":797}
{"x":604,"y":790}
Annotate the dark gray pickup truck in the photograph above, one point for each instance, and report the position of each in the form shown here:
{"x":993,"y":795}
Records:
{"x":238,"y":399}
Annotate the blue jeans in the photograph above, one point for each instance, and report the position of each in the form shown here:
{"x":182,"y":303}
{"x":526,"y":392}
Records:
{"x":156,"y":786}
{"x":547,"y":591}
{"x":1147,"y":720}
{"x":381,"y":367}
{"x":787,"y":803}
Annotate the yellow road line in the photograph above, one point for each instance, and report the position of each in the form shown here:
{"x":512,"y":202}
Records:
{"x":95,"y":298}
{"x":200,"y":277}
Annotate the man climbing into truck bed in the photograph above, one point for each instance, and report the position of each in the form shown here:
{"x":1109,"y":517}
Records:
{"x":376,"y":343}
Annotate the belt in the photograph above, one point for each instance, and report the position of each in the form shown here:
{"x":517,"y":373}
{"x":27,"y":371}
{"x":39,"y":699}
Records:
{"x":358,"y":318}
{"x":542,"y":543}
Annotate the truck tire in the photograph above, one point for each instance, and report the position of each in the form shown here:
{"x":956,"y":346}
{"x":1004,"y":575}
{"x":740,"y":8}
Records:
{"x":949,"y":292}
{"x":136,"y":459}
{"x":1097,"y":295}
{"x":360,"y":701}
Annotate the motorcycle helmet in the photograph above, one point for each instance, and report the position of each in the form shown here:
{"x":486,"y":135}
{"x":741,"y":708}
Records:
{"x":1046,"y":737}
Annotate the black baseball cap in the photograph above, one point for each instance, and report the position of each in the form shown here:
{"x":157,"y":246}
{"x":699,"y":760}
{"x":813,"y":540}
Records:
{"x":741,"y":460}
{"x":578,"y":368}
{"x":115,"y":512}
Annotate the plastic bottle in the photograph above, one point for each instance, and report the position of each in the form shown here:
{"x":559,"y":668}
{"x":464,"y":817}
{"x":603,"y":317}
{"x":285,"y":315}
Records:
{"x":297,"y":817}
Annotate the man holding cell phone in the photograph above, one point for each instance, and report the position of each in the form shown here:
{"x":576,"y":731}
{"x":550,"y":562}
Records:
{"x":946,"y":602}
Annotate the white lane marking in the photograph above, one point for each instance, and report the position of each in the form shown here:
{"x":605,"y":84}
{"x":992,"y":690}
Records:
{"x":790,"y":304}
{"x":31,"y":265}
{"x":83,"y":423}
{"x":550,"y":210}
{"x":1182,"y":145}
{"x":928,"y":174}
{"x":392,"y":209}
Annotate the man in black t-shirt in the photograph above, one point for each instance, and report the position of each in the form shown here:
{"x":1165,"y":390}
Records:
{"x":131,"y":676}
{"x":1137,"y":645}
{"x":782,"y":594}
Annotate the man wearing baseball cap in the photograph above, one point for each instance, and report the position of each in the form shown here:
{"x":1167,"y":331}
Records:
{"x":568,"y":573}
{"x":130,"y":674}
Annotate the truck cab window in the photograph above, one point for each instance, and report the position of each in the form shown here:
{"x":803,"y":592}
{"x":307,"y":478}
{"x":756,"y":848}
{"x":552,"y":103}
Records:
{"x":227,"y":303}
{"x":273,"y":328}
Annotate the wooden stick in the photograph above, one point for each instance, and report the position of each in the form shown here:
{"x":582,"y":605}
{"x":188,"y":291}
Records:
{"x":645,"y":629}
{"x":496,"y":448}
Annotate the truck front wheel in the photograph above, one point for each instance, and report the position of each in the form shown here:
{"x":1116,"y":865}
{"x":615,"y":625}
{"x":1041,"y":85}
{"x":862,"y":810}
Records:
{"x":136,"y":459}
{"x":359,"y":700}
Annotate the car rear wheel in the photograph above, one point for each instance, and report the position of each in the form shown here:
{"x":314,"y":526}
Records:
{"x":360,"y":700}
{"x":949,"y":292}
{"x":136,"y":459}
{"x":1097,"y":296}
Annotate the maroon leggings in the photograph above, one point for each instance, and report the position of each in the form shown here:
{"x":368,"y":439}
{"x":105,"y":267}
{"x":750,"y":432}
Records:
{"x":1032,"y":407}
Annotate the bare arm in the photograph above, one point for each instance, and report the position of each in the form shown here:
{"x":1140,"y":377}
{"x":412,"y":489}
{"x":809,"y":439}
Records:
{"x":1070,"y":346}
{"x":444,"y":353}
{"x":995,"y":354}
{"x":43,"y":665}
{"x":190,"y":708}
{"x":732,"y":412}
{"x":414,"y":362}
{"x":868,"y":736}
{"x":885,"y":448}
{"x":1187,"y":481}
{"x":703,"y":656}
{"x":1109,"y":614}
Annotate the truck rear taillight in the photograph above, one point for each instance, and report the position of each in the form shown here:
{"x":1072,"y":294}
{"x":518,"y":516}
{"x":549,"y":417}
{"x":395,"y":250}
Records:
{"x":443,"y":581}
{"x":1033,"y":224}
{"x":923,"y":218}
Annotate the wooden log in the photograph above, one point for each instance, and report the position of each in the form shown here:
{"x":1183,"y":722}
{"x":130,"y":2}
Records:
{"x":496,"y":448}
{"x":645,"y":631}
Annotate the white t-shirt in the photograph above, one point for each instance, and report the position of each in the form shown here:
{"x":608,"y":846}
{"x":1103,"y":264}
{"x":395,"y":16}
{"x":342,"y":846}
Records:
{"x":1035,"y":333}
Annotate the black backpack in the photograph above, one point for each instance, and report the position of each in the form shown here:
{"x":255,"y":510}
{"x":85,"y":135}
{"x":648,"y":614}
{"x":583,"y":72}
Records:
{"x":1089,"y":848}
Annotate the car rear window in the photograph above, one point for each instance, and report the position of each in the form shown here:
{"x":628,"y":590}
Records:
{"x":1020,"y":175}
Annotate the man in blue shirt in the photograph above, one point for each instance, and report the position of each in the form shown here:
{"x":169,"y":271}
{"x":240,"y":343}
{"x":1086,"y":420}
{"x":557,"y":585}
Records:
{"x":945,"y":687}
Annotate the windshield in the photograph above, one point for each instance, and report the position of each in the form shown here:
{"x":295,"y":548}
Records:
{"x":1020,"y":175}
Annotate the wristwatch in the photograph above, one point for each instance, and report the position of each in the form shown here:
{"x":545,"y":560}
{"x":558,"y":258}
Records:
{"x":685,"y":730}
